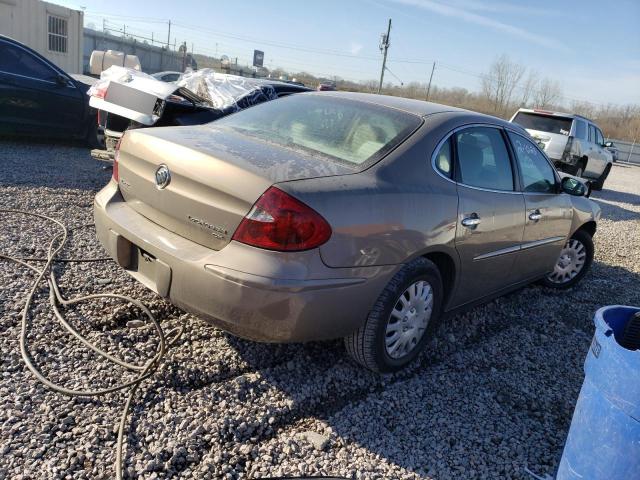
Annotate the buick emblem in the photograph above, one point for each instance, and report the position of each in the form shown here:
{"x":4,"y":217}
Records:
{"x":163,"y":176}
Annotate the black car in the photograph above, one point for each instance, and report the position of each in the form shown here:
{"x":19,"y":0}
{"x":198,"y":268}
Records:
{"x":39,"y":99}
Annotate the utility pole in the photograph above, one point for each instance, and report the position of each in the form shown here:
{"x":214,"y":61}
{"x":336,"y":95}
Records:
{"x":430,"y":78}
{"x":384,"y":46}
{"x":169,"y":35}
{"x":631,"y":151}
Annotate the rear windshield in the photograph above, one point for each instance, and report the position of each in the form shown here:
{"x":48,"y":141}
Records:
{"x":344,"y":130}
{"x":544,"y":123}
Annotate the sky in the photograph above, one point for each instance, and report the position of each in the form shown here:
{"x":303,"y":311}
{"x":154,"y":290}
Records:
{"x":590,"y":47}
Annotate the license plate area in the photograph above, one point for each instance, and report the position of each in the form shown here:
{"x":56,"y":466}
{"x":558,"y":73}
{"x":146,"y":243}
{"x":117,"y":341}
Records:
{"x":142,"y":265}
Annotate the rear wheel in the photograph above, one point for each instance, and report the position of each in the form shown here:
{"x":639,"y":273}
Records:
{"x":574,"y":262}
{"x":402,"y":320}
{"x":599,"y":184}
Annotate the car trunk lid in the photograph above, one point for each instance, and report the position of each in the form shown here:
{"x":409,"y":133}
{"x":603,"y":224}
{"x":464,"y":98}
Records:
{"x":216,"y":175}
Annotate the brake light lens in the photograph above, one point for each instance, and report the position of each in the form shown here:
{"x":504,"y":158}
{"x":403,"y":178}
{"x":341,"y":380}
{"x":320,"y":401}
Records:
{"x":281,"y":222}
{"x":116,"y":157}
{"x":99,"y":90}
{"x":567,"y":149}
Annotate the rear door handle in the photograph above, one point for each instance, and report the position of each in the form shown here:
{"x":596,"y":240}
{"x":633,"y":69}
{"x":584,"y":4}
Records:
{"x":535,"y":215}
{"x":471,"y":221}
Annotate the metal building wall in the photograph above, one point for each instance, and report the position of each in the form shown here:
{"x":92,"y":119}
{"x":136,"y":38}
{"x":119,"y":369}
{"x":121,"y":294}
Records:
{"x":27,"y":21}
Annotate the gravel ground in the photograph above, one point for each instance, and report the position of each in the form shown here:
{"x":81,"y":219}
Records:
{"x":495,"y":391}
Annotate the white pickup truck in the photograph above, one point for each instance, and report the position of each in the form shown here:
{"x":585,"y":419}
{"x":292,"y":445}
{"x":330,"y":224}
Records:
{"x":574,"y":143}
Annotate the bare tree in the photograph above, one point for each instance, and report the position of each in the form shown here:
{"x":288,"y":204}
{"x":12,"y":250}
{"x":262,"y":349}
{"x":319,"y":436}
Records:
{"x":528,"y":88}
{"x":500,"y":82}
{"x":549,"y":93}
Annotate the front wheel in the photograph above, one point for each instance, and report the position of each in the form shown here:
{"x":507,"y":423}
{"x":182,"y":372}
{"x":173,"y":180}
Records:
{"x":402,"y":320}
{"x":574,"y":262}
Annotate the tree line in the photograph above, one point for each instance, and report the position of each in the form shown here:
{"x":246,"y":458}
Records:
{"x":505,"y":87}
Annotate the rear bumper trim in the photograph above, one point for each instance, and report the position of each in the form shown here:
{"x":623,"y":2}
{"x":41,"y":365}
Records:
{"x":279,"y":284}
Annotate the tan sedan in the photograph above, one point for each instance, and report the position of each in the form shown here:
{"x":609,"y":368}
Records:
{"x":325,"y":215}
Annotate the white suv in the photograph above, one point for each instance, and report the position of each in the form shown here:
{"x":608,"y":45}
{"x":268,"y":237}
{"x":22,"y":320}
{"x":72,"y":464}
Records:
{"x":574,"y":143}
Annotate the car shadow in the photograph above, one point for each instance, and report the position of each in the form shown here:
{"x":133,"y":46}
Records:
{"x":61,"y":164}
{"x":613,"y":205}
{"x":486,"y":383}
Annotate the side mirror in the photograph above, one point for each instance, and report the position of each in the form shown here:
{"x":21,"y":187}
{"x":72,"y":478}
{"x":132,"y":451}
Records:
{"x":608,"y":144}
{"x":574,"y":187}
{"x":61,"y":80}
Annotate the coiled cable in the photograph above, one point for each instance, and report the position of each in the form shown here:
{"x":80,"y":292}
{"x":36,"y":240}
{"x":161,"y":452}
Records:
{"x":57,"y":300}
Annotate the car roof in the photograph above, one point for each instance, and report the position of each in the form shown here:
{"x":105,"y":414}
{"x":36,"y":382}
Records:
{"x":416,"y":107}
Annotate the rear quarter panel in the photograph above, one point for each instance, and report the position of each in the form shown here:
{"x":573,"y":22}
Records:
{"x":393,"y":212}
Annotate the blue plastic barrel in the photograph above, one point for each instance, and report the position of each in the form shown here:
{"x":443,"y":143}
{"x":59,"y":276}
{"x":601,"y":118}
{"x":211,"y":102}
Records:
{"x":604,"y":438}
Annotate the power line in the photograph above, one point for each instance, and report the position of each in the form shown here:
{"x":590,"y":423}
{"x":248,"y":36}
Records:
{"x":329,"y":52}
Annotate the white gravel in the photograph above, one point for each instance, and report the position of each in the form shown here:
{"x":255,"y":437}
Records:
{"x":493,"y":394}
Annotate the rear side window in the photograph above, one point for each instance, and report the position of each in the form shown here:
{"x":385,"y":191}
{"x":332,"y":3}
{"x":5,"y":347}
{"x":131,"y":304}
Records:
{"x":544,"y":123}
{"x":345,"y":130}
{"x":581,"y":129}
{"x":18,"y":61}
{"x":537,"y":174}
{"x":443,"y":159}
{"x":483,"y":159}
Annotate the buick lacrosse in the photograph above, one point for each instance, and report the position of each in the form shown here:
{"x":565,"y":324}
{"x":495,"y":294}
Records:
{"x":330,"y":214}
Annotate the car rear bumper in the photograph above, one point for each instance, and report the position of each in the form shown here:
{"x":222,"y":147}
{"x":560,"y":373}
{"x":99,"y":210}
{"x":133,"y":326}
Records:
{"x":251,"y":292}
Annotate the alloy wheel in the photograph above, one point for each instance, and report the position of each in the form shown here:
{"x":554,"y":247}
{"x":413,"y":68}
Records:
{"x":409,"y":319}
{"x":571,"y":262}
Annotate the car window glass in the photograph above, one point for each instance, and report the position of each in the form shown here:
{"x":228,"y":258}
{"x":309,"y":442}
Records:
{"x":581,"y":129}
{"x":443,"y":159}
{"x":599,"y":137}
{"x":537,"y":173}
{"x":592,"y":133}
{"x":543,"y":122}
{"x":337,"y":129}
{"x":483,"y":159}
{"x":19,"y":61}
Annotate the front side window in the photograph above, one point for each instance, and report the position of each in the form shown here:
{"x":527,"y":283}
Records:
{"x":599,"y":137}
{"x":337,"y":129}
{"x":592,"y":133}
{"x":537,"y":173}
{"x":57,"y":29}
{"x":21,"y":62}
{"x":581,"y":129}
{"x":443,"y":159}
{"x":483,"y":159}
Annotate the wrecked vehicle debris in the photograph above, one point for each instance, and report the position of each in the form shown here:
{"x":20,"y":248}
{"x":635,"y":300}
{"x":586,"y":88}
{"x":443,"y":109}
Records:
{"x":127,"y":98}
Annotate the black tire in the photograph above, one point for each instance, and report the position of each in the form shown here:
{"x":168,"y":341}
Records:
{"x":599,"y":184}
{"x":93,"y":138}
{"x":367,"y":344}
{"x":587,"y":242}
{"x":579,"y":168}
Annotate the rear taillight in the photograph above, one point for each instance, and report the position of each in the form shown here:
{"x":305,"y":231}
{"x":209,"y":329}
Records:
{"x":99,"y":90}
{"x":116,"y":157}
{"x":567,"y":149}
{"x":280,"y":222}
